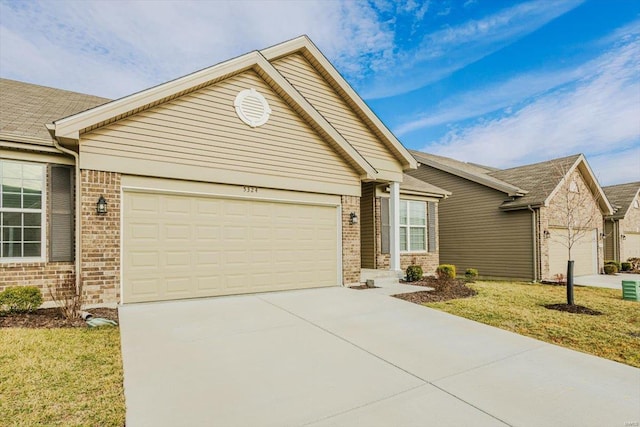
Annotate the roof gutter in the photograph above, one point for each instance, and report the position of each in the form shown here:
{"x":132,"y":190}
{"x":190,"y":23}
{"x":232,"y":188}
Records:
{"x":78,"y":222}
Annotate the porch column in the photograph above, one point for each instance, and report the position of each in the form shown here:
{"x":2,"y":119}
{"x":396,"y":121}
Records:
{"x":394,"y":226}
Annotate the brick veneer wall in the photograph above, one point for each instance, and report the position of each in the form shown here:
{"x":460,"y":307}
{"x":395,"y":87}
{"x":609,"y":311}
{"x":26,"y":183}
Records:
{"x":555,"y":216}
{"x":427,"y":260}
{"x":44,"y":275}
{"x":630,"y":224}
{"x":350,"y":241}
{"x":100,"y":238}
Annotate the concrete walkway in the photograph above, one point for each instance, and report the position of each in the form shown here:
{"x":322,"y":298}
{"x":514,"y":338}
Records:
{"x":342,"y":357}
{"x":611,"y":281}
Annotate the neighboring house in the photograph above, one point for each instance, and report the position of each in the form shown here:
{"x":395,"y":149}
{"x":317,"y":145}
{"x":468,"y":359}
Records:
{"x":244,"y":177}
{"x":513,"y":223}
{"x":622,"y":229}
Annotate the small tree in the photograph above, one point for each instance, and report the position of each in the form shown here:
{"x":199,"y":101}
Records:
{"x":575,"y":208}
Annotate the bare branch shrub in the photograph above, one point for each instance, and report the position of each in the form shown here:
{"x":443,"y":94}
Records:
{"x":67,"y":300}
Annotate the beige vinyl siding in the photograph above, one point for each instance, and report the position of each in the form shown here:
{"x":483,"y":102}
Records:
{"x":475,"y":233}
{"x":199,"y":137}
{"x":367,"y":226}
{"x":306,"y":79}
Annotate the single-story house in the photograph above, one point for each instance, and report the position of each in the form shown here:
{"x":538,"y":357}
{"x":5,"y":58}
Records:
{"x":622,"y":229}
{"x":517,"y":223}
{"x":256,"y":174}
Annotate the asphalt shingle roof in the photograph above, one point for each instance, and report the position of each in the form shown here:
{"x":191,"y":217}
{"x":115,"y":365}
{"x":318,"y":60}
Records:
{"x":25,"y":108}
{"x":468,"y":170}
{"x":540,"y":179}
{"x":410,"y":183}
{"x":621,"y":196}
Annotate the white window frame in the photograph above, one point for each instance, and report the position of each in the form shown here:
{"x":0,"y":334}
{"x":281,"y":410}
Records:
{"x":43,"y":217}
{"x":407,"y":227}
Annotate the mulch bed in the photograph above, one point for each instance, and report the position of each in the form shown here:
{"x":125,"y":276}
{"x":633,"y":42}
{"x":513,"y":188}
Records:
{"x":576,"y":309}
{"x":443,"y":290}
{"x":52,"y":318}
{"x":365,"y":286}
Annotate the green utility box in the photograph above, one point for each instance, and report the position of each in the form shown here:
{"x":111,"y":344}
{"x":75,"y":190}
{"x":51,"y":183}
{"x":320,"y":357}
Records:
{"x":631,"y":290}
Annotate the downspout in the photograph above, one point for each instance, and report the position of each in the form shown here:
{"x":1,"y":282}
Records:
{"x":534,"y":235}
{"x":78,"y":248}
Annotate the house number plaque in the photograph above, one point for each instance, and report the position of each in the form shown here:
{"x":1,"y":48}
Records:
{"x":248,"y":189}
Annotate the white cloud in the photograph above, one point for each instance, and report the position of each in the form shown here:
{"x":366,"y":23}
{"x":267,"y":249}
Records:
{"x":617,"y":167}
{"x":490,"y":98}
{"x":597,"y":115}
{"x":447,"y":50}
{"x":114,"y":48}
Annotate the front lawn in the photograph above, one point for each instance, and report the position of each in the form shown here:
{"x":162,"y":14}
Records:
{"x":519,"y":307}
{"x":70,"y":376}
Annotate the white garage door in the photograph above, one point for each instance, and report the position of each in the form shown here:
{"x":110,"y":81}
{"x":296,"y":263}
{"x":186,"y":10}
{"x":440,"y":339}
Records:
{"x":179,"y":246}
{"x":631,"y":246}
{"x":584,"y":252}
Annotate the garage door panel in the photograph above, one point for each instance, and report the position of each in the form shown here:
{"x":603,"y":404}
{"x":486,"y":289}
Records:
{"x":584,"y":252}
{"x":178,"y":246}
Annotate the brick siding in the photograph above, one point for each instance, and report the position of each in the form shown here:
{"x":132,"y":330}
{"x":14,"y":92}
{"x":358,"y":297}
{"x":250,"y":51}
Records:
{"x":350,"y":241}
{"x":100,"y":238}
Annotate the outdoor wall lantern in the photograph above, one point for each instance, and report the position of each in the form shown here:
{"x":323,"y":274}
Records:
{"x":546,"y":234}
{"x":623,"y":237}
{"x":101,"y":206}
{"x":353,"y":218}
{"x":602,"y":236}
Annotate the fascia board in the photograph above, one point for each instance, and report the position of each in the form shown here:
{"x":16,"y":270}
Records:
{"x":304,"y":43}
{"x":510,"y":190}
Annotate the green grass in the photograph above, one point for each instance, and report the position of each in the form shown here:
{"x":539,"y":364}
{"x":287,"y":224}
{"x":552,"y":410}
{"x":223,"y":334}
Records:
{"x":70,"y":377}
{"x":518,"y":307}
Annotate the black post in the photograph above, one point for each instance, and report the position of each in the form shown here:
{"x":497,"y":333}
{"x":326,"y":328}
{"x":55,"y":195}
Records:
{"x":570,"y":282}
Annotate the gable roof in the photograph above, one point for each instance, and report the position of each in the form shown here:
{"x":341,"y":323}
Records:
{"x":621,"y":197}
{"x":468,"y":171}
{"x":70,"y":128}
{"x":308,"y":49}
{"x":26,"y":108}
{"x":541,"y":179}
{"x":529,"y":185}
{"x":411,"y":185}
{"x":544,"y":179}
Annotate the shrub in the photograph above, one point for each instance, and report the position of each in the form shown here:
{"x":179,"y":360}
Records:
{"x":446,"y":271}
{"x":635,"y":263}
{"x":414,"y":272}
{"x":471,"y":274}
{"x":626,"y":266}
{"x":610,"y":269}
{"x":616,"y":263}
{"x":20,"y":299}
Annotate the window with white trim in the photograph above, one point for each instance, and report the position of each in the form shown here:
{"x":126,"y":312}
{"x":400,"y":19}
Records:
{"x":21,"y":210}
{"x":413,"y":226}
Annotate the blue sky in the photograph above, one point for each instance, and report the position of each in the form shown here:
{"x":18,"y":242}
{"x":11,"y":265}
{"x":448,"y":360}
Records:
{"x":502,"y":83}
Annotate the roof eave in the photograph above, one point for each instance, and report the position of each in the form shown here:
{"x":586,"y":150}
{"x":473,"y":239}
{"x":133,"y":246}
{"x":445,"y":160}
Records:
{"x":510,"y":190}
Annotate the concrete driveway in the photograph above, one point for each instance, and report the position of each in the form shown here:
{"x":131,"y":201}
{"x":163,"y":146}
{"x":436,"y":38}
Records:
{"x":341,"y":357}
{"x":611,"y":281}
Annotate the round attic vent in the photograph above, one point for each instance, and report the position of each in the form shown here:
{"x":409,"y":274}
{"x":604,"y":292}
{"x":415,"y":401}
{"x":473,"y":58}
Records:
{"x":252,"y":108}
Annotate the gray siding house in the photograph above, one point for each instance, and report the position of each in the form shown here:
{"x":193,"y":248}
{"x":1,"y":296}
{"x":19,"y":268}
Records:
{"x":511,"y":224}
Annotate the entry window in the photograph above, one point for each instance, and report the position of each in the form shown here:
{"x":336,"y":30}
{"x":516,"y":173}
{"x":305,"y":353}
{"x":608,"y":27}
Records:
{"x":21,"y":213}
{"x":413,"y":226}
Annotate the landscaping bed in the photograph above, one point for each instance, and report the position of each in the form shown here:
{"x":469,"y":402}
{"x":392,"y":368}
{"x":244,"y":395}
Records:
{"x":443,"y":290}
{"x":52,"y":318}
